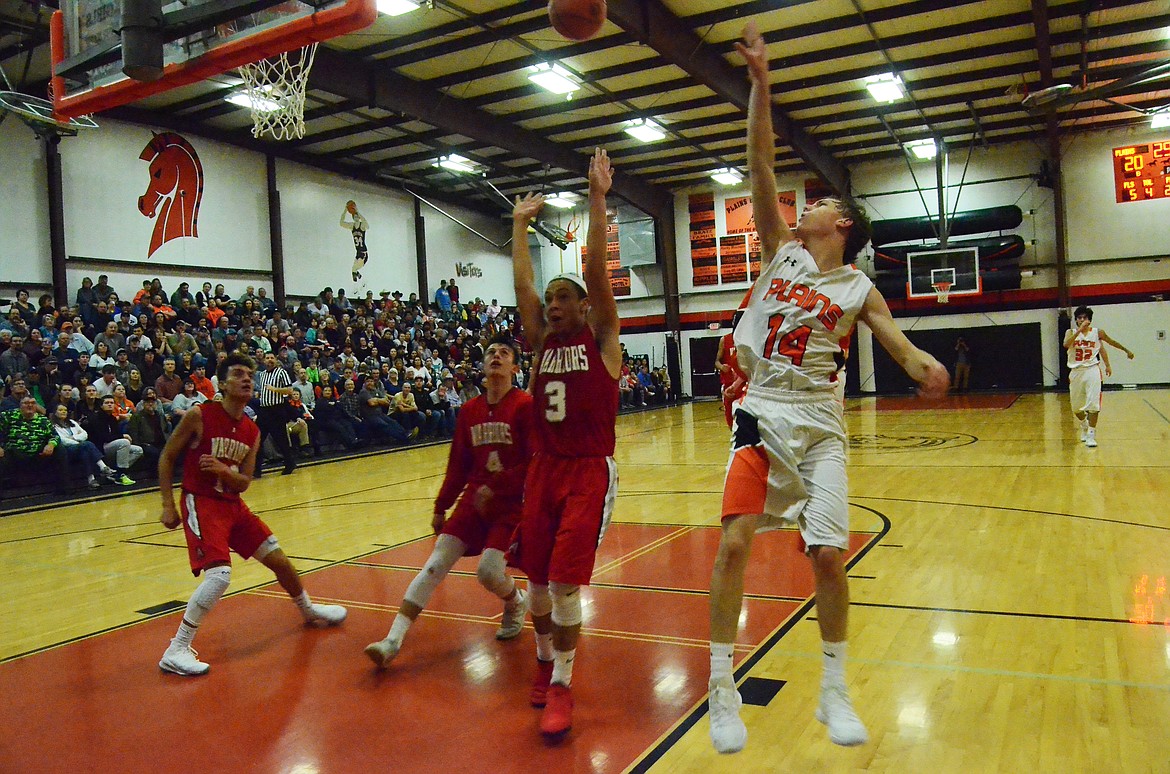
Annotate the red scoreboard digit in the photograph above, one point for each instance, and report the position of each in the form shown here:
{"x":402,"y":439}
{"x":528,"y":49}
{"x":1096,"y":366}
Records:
{"x":1142,"y":171}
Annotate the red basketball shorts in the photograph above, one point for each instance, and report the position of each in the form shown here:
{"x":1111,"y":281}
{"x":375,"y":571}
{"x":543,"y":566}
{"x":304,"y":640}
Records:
{"x":214,"y":527}
{"x":568,"y":502}
{"x":478,"y":530}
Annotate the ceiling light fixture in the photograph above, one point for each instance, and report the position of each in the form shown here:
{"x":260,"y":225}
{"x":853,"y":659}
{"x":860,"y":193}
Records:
{"x":553,"y":77}
{"x":885,"y":88}
{"x":564,"y":200}
{"x":455,"y":163}
{"x":727,"y":176}
{"x":923,"y":150}
{"x":645,"y":130}
{"x":395,"y":7}
{"x":257,"y":103}
{"x":1161,"y":119}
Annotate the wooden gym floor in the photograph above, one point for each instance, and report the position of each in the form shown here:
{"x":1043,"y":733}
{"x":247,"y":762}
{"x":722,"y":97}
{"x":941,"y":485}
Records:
{"x":1010,"y":613}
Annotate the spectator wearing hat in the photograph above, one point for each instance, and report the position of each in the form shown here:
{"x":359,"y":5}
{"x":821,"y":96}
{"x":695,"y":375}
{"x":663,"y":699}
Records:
{"x":180,"y":341}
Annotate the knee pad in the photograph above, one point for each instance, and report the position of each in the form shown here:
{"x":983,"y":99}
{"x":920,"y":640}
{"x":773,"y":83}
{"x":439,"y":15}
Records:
{"x":541,"y":602}
{"x":215,"y":583}
{"x":566,"y":603}
{"x":447,"y":551}
{"x":492,"y":574}
{"x":269,"y":545}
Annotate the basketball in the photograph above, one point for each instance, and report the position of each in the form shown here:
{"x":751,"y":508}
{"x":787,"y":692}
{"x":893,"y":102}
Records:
{"x":576,"y":19}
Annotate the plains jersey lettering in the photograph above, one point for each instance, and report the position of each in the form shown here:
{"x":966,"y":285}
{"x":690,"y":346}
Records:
{"x":228,"y":440}
{"x":576,"y":398}
{"x":1085,"y":351}
{"x":790,"y":336}
{"x":492,"y":446}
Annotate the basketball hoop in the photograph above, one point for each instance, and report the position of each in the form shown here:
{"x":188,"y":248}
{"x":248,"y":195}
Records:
{"x":942,"y":290}
{"x":276,"y":93}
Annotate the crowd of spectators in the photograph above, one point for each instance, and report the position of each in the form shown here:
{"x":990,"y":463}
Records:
{"x":111,"y":375}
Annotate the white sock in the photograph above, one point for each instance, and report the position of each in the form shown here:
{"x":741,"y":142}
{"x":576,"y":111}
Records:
{"x":304,"y":603}
{"x":834,"y":662}
{"x":563,"y":666}
{"x":721,"y":662}
{"x":89,"y":479}
{"x":399,"y":628}
{"x":104,"y":468}
{"x":510,"y":604}
{"x":544,"y":646}
{"x":214,"y":584}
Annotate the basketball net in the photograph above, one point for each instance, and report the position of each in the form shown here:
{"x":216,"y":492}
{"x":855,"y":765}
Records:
{"x":276,"y":93}
{"x":943,"y":291}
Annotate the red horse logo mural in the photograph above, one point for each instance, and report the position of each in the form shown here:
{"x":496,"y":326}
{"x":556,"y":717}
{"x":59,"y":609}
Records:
{"x":175,"y":189}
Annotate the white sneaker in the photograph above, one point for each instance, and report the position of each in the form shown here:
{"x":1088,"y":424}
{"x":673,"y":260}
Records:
{"x":1091,"y":438}
{"x":728,"y":733}
{"x":1084,"y":430}
{"x":513,"y":620}
{"x":382,"y":652}
{"x":325,"y":615}
{"x":182,"y":660}
{"x":836,"y":712}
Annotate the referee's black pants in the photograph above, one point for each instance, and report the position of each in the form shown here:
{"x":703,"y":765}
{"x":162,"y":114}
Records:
{"x":273,"y":421}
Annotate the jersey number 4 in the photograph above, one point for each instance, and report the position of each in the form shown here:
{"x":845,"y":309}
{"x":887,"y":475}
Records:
{"x":791,"y":344}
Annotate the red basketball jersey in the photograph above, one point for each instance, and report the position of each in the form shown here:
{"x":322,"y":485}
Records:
{"x":492,"y":446}
{"x":730,"y":359}
{"x":228,"y":440}
{"x":576,"y":398}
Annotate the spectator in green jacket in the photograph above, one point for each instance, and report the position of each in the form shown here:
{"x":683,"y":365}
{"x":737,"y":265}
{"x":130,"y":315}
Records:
{"x":26,"y":435}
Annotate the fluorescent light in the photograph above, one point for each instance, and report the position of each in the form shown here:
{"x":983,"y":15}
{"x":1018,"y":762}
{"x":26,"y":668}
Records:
{"x":564,"y":200}
{"x":455,"y":163}
{"x":885,"y":88}
{"x":395,"y":7}
{"x":727,"y":176}
{"x":258,"y":103}
{"x":1161,"y":119}
{"x":553,"y":77}
{"x":644,"y":130}
{"x":922,"y":150}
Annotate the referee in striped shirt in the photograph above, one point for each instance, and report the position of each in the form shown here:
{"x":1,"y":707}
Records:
{"x":274,"y":385}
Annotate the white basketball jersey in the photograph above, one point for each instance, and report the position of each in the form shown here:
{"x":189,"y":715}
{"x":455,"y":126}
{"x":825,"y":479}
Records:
{"x":790,"y":335}
{"x":1085,"y":351}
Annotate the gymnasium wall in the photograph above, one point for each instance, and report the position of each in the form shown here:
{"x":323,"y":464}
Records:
{"x":24,"y":215}
{"x":479,"y":268}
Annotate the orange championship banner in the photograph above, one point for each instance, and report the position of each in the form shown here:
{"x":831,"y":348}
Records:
{"x":704,"y":259}
{"x":619,"y":278}
{"x":739,"y":217}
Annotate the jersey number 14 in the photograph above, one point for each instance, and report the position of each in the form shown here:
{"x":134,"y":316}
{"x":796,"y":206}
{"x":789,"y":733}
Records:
{"x":791,"y":344}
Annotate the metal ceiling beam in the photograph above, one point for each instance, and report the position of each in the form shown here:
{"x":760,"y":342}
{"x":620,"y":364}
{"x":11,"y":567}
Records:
{"x":675,"y":41}
{"x":442,"y":31}
{"x":346,"y":76}
{"x":1052,"y":133}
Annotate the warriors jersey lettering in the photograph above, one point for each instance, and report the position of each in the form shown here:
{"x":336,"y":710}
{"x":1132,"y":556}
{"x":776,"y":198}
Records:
{"x":1085,"y":351}
{"x":228,"y":440}
{"x":492,"y":446}
{"x":790,"y":337}
{"x":576,"y":398}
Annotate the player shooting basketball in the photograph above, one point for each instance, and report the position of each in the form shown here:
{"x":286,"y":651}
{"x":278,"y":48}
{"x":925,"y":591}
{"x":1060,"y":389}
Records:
{"x":358,"y":226}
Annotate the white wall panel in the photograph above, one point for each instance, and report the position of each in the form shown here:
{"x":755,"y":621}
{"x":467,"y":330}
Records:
{"x":24,"y":214}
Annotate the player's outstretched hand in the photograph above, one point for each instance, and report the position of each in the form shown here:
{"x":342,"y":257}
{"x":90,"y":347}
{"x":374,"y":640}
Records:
{"x":600,"y":172}
{"x":438,"y":520}
{"x":754,"y":53}
{"x":528,"y":208}
{"x":935,"y":381}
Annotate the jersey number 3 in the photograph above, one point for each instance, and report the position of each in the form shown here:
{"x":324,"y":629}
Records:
{"x":791,"y":344}
{"x":555,"y":392}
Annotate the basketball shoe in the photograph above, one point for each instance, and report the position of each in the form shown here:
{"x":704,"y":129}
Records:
{"x":836,"y":712}
{"x":728,"y":733}
{"x":1084,"y":424}
{"x":1091,"y":437}
{"x":182,"y":660}
{"x":513,"y":620}
{"x":383,"y":652}
{"x":324,"y":615}
{"x":557,"y":717}
{"x":538,"y":696}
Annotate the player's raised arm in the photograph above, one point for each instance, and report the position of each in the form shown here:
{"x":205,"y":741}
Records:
{"x":527,"y":298}
{"x":761,"y":146}
{"x":603,"y":313}
{"x":932,"y":377}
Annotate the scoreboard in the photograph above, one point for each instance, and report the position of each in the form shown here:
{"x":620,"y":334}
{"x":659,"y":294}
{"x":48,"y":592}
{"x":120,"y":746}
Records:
{"x":1142,"y":171}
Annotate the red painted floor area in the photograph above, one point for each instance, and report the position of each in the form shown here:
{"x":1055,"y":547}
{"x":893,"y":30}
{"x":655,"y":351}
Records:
{"x":978,"y":402}
{"x":283,"y":698}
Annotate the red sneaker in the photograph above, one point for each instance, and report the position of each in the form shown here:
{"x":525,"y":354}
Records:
{"x":539,"y":691}
{"x":557,"y":717}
